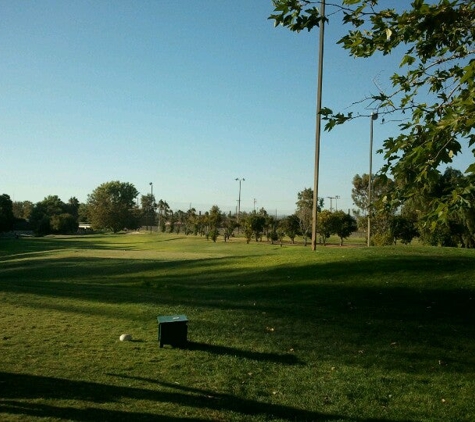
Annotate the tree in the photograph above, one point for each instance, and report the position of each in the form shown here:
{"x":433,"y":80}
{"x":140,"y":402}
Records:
{"x":72,"y":207}
{"x":380,"y":187}
{"x":111,"y":206}
{"x":22,"y":209}
{"x":83,"y":213}
{"x":459,"y":226}
{"x":270,"y":228}
{"x":304,"y":211}
{"x":342,"y":224}
{"x":202,"y":226}
{"x":324,"y":225}
{"x":52,"y":215}
{"x":229,"y":224}
{"x":148,"y":209}
{"x":215,"y":217}
{"x":6,"y":213}
{"x":164,"y":211}
{"x":290,"y":226}
{"x":403,"y":229}
{"x":381,"y":212}
{"x":254,"y":224}
{"x":248,"y":233}
{"x":179,"y":221}
{"x":63,"y":223}
{"x":190,"y":221}
{"x":270,"y":225}
{"x":435,"y":88}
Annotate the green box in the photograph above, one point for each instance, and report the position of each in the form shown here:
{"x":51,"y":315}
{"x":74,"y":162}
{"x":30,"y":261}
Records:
{"x":173,"y":330}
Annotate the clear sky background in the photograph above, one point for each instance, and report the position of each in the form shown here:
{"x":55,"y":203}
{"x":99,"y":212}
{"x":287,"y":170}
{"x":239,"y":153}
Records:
{"x":188,"y":95}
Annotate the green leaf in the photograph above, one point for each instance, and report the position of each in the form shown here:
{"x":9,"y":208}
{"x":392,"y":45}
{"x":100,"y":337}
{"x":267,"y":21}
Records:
{"x":470,"y":168}
{"x":407,"y":60}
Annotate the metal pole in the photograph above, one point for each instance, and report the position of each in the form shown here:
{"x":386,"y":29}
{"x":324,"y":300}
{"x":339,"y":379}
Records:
{"x":337,"y":197}
{"x":318,"y":124}
{"x":374,"y":116}
{"x":239,"y":198}
{"x":151,"y":206}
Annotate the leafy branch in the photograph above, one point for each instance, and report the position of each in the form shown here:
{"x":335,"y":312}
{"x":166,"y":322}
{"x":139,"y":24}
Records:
{"x":436,"y":92}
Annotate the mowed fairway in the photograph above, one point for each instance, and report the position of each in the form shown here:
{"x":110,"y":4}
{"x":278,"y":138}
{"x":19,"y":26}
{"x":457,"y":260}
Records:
{"x":276,"y":333}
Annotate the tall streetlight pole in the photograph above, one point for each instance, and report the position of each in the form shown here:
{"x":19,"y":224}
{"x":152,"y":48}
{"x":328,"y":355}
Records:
{"x":239,"y":197}
{"x":151,"y":205}
{"x":373,"y":117}
{"x":337,"y":197}
{"x":331,"y":198}
{"x":318,"y":124}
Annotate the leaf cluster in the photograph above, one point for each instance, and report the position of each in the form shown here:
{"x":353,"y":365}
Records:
{"x":296,"y":14}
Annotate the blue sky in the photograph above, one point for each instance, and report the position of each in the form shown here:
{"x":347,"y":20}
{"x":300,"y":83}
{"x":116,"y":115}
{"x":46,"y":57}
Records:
{"x":187,"y":95}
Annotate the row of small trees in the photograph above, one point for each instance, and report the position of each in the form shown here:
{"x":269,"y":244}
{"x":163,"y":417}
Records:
{"x":113,"y":206}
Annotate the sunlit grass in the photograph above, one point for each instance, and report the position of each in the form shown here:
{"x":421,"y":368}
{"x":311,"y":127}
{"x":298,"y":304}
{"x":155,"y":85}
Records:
{"x":276,"y":333}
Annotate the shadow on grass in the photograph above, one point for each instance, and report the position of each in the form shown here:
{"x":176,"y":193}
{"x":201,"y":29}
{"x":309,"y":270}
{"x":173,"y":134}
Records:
{"x":16,"y":388}
{"x":19,"y":247}
{"x":246,"y":354}
{"x":13,"y":407}
{"x":13,"y":249}
{"x":405,"y":307}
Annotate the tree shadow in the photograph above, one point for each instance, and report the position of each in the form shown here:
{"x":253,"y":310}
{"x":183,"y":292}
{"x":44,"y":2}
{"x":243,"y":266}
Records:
{"x":14,"y":407}
{"x":424,"y":301}
{"x":15,"y":388}
{"x":285,"y":359}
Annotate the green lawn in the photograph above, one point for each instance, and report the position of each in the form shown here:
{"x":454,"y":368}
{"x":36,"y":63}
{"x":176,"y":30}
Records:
{"x":276,"y":333}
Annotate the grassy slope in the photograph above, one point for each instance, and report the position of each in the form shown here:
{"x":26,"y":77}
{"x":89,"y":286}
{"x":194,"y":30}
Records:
{"x":276,"y":333}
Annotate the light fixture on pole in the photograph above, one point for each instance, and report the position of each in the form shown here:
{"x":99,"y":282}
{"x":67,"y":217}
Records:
{"x":331,"y":198}
{"x":374,"y":117}
{"x":239,"y":197}
{"x":318,"y":124}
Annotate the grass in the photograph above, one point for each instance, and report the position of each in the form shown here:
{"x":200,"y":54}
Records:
{"x":276,"y":333}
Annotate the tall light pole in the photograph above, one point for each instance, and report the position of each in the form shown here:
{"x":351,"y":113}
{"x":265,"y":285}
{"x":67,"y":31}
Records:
{"x":151,"y":205}
{"x":239,"y":197}
{"x":373,"y":117}
{"x":318,"y":125}
{"x":331,"y":198}
{"x":337,"y":197}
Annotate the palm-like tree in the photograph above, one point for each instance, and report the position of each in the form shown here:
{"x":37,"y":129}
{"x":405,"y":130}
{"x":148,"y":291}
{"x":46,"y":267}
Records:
{"x":163,"y":211}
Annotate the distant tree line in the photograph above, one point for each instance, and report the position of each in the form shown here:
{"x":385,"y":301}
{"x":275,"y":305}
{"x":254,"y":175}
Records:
{"x":113,"y":206}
